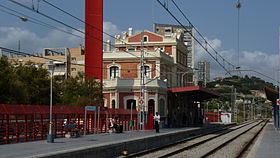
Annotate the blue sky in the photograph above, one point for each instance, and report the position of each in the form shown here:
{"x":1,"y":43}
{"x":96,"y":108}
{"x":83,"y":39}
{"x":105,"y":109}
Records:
{"x":215,"y":19}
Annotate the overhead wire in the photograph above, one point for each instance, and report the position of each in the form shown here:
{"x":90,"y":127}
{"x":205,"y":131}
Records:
{"x":238,"y":6}
{"x":60,"y":22}
{"x":42,"y":14}
{"x":26,"y":18}
{"x":50,"y":59}
{"x":84,"y":22}
{"x":207,"y":43}
{"x":177,"y":20}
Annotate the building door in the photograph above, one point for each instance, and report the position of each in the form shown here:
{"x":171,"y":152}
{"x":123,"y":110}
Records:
{"x":151,"y":113}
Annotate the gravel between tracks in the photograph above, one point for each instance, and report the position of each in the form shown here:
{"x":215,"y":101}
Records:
{"x":233,"y":149}
{"x":188,"y":143}
{"x":200,"y":150}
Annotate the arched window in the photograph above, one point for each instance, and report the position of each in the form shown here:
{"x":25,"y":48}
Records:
{"x":114,"y":72}
{"x":146,"y":70}
{"x":145,"y":39}
{"x":113,"y":104}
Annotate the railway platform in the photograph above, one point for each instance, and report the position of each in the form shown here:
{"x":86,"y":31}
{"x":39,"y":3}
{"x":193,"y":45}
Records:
{"x":102,"y":145}
{"x":267,"y":145}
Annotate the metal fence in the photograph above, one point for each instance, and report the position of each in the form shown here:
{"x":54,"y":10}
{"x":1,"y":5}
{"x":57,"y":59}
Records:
{"x":22,"y":123}
{"x":212,"y":117}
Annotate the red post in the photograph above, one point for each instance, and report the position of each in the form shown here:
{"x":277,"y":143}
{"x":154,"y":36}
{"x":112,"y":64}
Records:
{"x":41,"y":127}
{"x":17,"y":130}
{"x":79,"y":119}
{"x":55,"y":125}
{"x":94,"y":38}
{"x":61,"y":128}
{"x":25,"y":128}
{"x":7,"y":128}
{"x":33,"y":130}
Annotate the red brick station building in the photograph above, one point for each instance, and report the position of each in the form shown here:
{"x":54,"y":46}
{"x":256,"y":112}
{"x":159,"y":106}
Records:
{"x":169,"y":83}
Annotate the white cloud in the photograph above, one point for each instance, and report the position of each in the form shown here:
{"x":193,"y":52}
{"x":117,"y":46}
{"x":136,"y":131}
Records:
{"x":253,"y":60}
{"x":32,"y":42}
{"x":111,"y":29}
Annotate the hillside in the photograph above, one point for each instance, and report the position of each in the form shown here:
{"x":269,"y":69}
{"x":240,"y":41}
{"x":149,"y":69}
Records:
{"x":242,"y":84}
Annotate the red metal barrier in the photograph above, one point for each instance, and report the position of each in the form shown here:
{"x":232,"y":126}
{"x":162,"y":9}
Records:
{"x":212,"y":117}
{"x":21,"y":123}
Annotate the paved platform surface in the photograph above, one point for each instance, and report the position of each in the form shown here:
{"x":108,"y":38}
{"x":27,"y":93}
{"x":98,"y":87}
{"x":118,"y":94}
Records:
{"x":268,"y":144}
{"x":35,"y":148}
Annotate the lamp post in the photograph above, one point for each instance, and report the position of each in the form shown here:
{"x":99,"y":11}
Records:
{"x":50,"y":137}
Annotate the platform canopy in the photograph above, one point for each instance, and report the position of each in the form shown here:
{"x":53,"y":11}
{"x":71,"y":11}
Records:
{"x":198,"y":93}
{"x":271,"y":94}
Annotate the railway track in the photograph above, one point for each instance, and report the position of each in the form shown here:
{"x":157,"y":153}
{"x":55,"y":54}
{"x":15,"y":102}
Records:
{"x":229,"y":142}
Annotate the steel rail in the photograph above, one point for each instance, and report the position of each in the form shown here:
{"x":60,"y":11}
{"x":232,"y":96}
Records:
{"x":225,"y":130}
{"x":230,"y":140}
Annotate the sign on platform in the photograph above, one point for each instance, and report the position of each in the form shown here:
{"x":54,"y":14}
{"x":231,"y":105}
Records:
{"x":141,"y":102}
{"x":278,"y":102}
{"x":90,"y":108}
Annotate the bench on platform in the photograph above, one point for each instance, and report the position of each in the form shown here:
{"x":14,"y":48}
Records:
{"x":72,"y":130}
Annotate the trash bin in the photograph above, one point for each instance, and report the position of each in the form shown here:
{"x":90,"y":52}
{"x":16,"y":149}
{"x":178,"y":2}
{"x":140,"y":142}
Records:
{"x":119,"y":129}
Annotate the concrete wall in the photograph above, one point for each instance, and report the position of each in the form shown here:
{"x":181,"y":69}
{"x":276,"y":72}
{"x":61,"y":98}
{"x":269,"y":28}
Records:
{"x":132,"y":146}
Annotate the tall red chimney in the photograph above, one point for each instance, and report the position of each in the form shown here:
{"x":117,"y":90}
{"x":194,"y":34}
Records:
{"x":94,"y":38}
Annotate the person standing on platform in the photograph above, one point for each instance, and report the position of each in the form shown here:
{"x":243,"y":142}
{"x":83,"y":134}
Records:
{"x":157,"y":121}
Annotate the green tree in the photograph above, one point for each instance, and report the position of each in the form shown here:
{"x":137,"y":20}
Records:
{"x":78,"y":91}
{"x":30,"y":84}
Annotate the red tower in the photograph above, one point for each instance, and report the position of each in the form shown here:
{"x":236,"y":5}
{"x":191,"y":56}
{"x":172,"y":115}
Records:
{"x":94,"y":38}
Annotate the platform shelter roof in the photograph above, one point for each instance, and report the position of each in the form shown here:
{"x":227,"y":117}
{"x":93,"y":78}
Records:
{"x":271,"y":94}
{"x":199,"y":93}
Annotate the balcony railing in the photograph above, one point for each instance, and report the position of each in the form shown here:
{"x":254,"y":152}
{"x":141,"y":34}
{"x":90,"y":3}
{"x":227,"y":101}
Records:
{"x":129,"y":83}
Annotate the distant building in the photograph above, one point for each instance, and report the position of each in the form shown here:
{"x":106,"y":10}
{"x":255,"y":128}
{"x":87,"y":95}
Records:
{"x":189,"y":33}
{"x":67,"y":61}
{"x":218,"y":79}
{"x":203,"y":72}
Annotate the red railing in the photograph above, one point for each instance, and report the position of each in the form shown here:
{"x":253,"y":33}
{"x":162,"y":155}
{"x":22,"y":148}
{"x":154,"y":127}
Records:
{"x":21,"y":123}
{"x":212,"y":117}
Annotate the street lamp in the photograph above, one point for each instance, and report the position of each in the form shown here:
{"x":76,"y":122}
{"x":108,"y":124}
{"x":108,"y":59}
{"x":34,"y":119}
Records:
{"x":50,"y":137}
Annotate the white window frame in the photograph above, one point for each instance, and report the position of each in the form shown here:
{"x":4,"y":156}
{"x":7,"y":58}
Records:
{"x":114,"y":73}
{"x":149,"y":72}
{"x":147,"y":37}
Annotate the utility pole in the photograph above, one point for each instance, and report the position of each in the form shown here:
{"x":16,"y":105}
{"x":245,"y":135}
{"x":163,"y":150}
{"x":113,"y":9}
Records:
{"x":244,"y":110}
{"x":278,"y":83}
{"x":142,"y":84}
{"x":205,"y":74}
{"x":234,"y":104}
{"x":219,"y":112}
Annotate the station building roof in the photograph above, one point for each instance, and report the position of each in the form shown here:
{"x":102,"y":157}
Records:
{"x":199,"y":93}
{"x":271,"y":94}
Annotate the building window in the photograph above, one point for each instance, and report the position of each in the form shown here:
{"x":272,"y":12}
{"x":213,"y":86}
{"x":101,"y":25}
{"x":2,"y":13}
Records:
{"x":145,"y":39}
{"x":131,"y":49}
{"x":146,"y":71}
{"x":114,"y":72}
{"x":73,"y":59}
{"x":113,"y":104}
{"x":168,"y":30}
{"x":73,"y":69}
